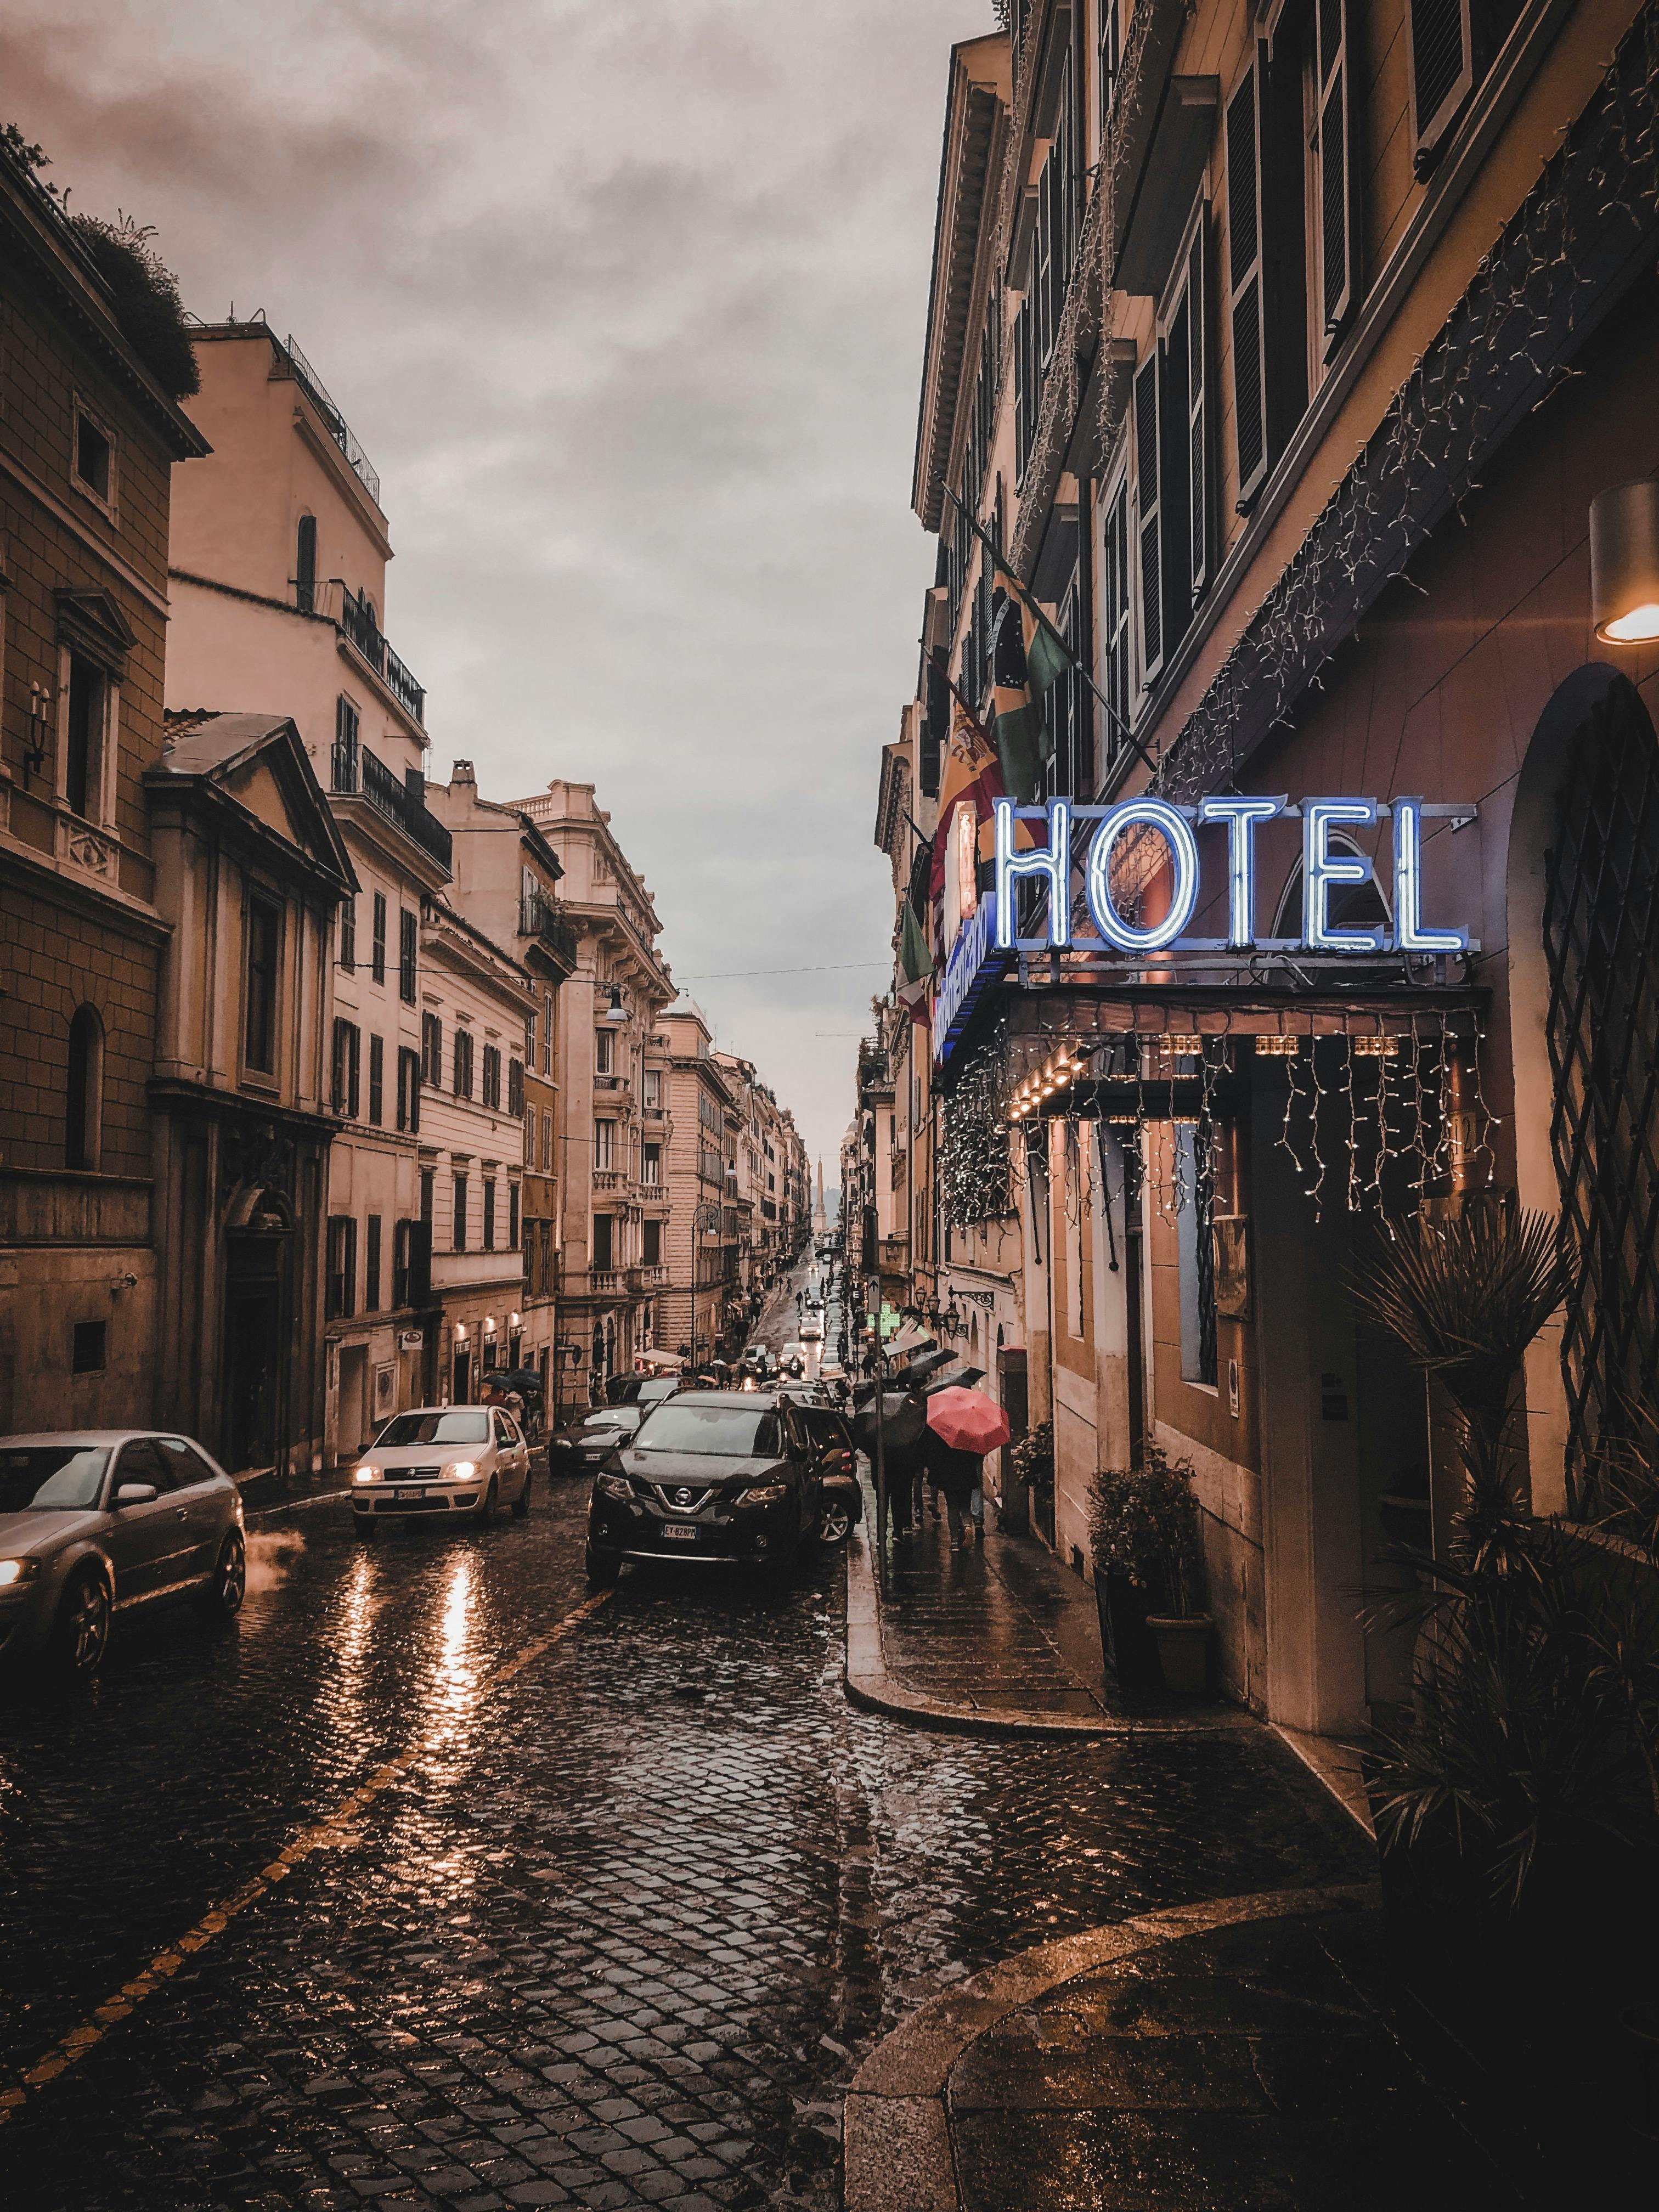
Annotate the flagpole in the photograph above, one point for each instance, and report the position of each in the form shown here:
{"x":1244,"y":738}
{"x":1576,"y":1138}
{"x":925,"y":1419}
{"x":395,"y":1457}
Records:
{"x":1006,"y":567}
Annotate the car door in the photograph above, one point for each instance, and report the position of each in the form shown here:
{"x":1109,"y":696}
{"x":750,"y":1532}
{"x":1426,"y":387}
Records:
{"x":810,"y":1488}
{"x":144,"y":1540}
{"x":512,"y":1458}
{"x":200,"y":1495}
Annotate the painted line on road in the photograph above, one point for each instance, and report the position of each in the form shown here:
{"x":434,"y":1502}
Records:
{"x":162,"y":1968}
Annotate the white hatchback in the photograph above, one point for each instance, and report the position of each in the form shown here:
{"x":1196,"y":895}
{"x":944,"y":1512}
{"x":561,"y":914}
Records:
{"x":443,"y":1459}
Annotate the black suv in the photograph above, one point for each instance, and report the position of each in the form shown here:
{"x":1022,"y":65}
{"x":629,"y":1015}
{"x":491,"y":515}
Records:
{"x":710,"y":1475}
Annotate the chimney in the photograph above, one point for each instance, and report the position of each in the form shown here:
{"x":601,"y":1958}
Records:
{"x":461,"y":771}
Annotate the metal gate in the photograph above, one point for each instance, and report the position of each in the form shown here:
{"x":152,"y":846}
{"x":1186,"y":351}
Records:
{"x":1601,"y":942}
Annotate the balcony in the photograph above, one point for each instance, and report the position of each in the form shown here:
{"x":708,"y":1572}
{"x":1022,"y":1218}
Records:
{"x":338,"y":428}
{"x":609,"y":1179}
{"x":358,"y":624}
{"x":611,"y":1084}
{"x":606,"y":1282}
{"x":68,"y":1206}
{"x":648,"y":1279}
{"x":358,"y":773}
{"x":539,"y":917}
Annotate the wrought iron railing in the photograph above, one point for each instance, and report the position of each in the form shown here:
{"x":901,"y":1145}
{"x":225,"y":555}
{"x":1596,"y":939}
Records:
{"x":357,"y":620}
{"x":539,"y":917}
{"x":338,"y":428}
{"x":387,"y":795}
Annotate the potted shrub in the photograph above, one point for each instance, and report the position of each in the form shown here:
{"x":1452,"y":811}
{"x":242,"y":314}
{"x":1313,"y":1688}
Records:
{"x":1143,"y":1533}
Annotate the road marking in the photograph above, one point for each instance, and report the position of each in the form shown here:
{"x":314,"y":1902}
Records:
{"x":92,"y":2030}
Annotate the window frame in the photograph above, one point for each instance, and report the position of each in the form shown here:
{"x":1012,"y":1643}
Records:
{"x":259,"y":905}
{"x":108,"y":500}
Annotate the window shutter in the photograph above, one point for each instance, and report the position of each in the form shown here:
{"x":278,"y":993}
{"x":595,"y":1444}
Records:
{"x":1244,"y":288}
{"x":1151,"y":556}
{"x":1338,"y":183}
{"x":1440,"y":53}
{"x":1200,"y":470}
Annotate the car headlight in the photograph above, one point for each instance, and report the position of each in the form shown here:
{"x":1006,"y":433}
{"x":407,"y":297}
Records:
{"x":18,"y":1571}
{"x":764,"y":1493}
{"x":460,"y":1470}
{"x":614,"y":1486}
{"x":364,"y":1473}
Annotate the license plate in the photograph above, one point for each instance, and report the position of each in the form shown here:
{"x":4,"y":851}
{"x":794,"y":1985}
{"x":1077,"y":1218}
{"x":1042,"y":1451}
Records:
{"x":407,"y":1497}
{"x":677,"y":1533}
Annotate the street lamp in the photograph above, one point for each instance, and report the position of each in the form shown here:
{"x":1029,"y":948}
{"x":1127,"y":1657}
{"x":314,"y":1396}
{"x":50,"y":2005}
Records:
{"x":1624,"y":536}
{"x":616,"y":1012}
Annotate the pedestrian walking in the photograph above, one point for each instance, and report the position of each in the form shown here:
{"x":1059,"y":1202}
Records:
{"x":959,"y":1477}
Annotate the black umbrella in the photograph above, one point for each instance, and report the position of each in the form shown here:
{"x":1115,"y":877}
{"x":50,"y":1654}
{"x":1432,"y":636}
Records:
{"x":927,"y":1363}
{"x":903,"y":1417}
{"x":961,"y":1380}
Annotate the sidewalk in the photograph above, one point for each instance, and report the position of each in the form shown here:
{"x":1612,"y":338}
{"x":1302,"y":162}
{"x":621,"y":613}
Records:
{"x":997,"y":1640}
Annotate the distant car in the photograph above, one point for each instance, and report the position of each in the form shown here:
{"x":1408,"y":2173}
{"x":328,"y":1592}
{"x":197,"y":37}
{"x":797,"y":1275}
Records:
{"x":98,"y":1522}
{"x":442,"y":1459}
{"x":723,"y":1475}
{"x":811,"y":1327}
{"x":793,"y":1358}
{"x":583,"y":1446}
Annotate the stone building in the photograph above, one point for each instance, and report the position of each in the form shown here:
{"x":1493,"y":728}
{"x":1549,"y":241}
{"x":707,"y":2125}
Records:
{"x":87,"y":442}
{"x":697,"y":1308}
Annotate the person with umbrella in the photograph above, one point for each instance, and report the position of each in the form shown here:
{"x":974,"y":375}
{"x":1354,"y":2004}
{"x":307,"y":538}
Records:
{"x":963,"y":1426}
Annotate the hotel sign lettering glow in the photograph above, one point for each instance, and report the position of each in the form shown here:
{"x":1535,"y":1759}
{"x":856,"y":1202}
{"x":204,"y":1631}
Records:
{"x":1325,"y":868}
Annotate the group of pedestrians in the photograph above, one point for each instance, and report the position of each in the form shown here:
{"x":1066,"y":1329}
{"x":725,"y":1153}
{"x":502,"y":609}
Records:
{"x":956,"y":1476}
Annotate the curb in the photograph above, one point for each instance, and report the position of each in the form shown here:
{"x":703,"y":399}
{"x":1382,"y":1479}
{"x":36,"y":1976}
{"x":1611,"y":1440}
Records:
{"x":897,"y":2130}
{"x":868,"y":1684}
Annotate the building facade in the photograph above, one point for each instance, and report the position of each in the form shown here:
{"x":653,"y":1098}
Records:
{"x":87,"y":442}
{"x":1213,"y":289}
{"x":698,"y":1308}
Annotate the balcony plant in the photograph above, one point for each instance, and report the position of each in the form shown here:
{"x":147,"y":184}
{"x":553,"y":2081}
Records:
{"x":1144,"y":1539}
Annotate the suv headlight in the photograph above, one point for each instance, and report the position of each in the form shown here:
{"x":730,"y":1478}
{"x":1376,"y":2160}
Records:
{"x":364,"y":1473}
{"x":613,"y":1485}
{"x":764,"y":1493}
{"x":17,"y":1571}
{"x":460,"y":1470}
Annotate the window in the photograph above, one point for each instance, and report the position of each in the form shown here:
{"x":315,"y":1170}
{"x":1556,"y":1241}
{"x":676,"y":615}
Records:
{"x":604,"y":1246}
{"x":85,"y":730}
{"x":349,"y":932}
{"x":650,"y":1164}
{"x":377,"y":955}
{"x":1196,"y":1178}
{"x":88,"y":1339}
{"x":264,"y":939}
{"x":1267,"y":156}
{"x":371,"y":1264}
{"x":651,"y":1243}
{"x":409,"y":1088}
{"x":530,"y":1040}
{"x":1147,"y":519}
{"x":344,"y":763}
{"x":547,"y":1136}
{"x":604,"y":1052}
{"x":345,"y":1069}
{"x":432,"y":1051}
{"x":512,"y":1217}
{"x":1115,"y":611}
{"x":429,"y":1178}
{"x":340,"y":1285}
{"x":401,"y":1234}
{"x":463,"y":1067}
{"x":653,"y":1090}
{"x":1111,"y":55}
{"x":459,"y":1239}
{"x":1440,"y":50}
{"x":1244,"y":287}
{"x":492,"y":1076}
{"x":305,"y":565}
{"x":547,"y":1034}
{"x":1337,"y":200}
{"x":515,"y":1087}
{"x":95,"y":459}
{"x":604,"y":1143}
{"x":83,"y":1119}
{"x":377,"y":1080}
{"x":490,"y":1213}
{"x":407,"y":926}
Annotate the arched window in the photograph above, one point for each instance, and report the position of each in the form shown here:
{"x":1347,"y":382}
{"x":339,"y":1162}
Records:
{"x":305,"y":566}
{"x":1350,"y":906}
{"x":83,"y":1126}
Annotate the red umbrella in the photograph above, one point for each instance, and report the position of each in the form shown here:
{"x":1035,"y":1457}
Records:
{"x":966,"y":1420}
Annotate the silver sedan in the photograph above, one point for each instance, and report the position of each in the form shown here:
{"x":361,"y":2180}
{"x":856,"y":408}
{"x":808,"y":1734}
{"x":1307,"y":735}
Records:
{"x":98,"y":1522}
{"x":443,"y":1459}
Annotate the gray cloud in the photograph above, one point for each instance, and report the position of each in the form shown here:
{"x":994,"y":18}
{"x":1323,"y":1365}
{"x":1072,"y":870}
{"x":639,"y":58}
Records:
{"x":626,"y":305}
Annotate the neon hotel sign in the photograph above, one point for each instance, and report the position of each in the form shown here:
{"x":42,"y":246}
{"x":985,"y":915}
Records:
{"x":991,"y":930}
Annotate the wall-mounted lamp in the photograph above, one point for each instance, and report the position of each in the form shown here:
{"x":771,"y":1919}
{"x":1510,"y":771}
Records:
{"x":460,"y":1332}
{"x":513,"y":1320}
{"x":1624,"y":534}
{"x":489,"y":1324}
{"x":616,"y":1012}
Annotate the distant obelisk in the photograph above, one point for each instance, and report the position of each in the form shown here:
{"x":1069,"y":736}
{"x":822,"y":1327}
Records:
{"x":820,"y":1222}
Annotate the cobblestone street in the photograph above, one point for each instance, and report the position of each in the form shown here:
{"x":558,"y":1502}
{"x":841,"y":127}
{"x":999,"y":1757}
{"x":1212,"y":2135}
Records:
{"x":617,"y":1931}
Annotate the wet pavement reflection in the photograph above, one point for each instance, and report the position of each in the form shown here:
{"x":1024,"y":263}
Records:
{"x":617,"y":1934}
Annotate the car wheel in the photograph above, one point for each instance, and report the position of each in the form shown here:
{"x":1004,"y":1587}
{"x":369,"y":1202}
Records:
{"x":602,"y":1569}
{"x":835,"y":1522}
{"x":484,"y":1511}
{"x":80,"y":1635}
{"x":521,"y":1503}
{"x":221,"y":1598}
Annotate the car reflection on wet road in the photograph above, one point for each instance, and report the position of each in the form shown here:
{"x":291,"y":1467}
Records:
{"x":585,"y":1902}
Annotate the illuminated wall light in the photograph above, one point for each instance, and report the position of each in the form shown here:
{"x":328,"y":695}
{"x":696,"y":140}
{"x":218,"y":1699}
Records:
{"x":1176,"y":831}
{"x":1376,"y":1047}
{"x":1279,"y":1047}
{"x":1624,"y":536}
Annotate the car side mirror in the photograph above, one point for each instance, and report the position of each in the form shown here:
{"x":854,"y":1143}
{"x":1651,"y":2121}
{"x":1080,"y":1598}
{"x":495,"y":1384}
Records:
{"x":137,"y":1493}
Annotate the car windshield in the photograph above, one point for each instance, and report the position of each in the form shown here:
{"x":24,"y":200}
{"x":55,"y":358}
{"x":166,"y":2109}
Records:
{"x":464,"y":1425}
{"x":50,"y":1478}
{"x":730,"y":1431}
{"x":614,"y":1417}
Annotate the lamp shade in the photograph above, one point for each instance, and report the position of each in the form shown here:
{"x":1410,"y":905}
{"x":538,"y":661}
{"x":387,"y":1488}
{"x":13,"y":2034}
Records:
{"x":1624,"y":529}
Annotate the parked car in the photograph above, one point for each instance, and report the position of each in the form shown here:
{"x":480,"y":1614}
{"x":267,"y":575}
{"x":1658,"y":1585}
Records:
{"x":98,"y":1522}
{"x":712,"y":1475}
{"x":641,"y":1389}
{"x":831,"y":1440}
{"x":442,"y":1459}
{"x":582,"y":1446}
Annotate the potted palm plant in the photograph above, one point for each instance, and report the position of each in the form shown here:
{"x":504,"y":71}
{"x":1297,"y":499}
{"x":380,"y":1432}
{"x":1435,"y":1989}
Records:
{"x":1142,"y":1534}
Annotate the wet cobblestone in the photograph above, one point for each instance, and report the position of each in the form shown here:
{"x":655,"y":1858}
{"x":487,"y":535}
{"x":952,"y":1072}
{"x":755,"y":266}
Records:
{"x":619,"y":1934}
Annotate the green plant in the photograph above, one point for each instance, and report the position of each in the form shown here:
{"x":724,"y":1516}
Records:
{"x":1143,"y":1524}
{"x":146,"y":299}
{"x":1033,"y":1456}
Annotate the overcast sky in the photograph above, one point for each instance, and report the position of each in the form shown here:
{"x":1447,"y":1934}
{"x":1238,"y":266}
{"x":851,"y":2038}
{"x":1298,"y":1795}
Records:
{"x":625,"y":302}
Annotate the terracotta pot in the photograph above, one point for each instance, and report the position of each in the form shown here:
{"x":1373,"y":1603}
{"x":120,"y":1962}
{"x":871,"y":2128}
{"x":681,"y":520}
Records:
{"x":1183,"y":1651}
